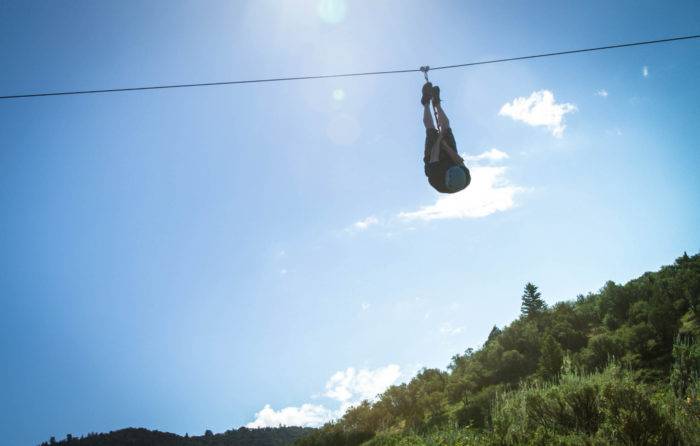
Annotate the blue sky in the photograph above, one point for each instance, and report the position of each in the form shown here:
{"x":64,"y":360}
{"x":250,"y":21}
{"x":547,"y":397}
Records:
{"x":207,"y":258}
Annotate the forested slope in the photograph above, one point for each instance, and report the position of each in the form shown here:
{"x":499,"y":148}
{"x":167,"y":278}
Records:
{"x":615,"y":367}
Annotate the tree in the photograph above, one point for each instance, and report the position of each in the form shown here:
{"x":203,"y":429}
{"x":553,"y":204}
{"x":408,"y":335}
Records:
{"x":363,"y":418}
{"x":495,"y":332}
{"x":532,"y":303}
{"x":686,"y":366}
{"x":512,"y":368}
{"x":551,"y":358}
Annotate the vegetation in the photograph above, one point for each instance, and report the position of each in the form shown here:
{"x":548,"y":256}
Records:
{"x":620,"y":366}
{"x":280,"y":436}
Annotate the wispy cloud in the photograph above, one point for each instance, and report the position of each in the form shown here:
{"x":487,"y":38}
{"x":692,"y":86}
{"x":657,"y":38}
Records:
{"x":448,"y":329}
{"x":345,"y":387}
{"x":602,"y":93}
{"x":645,"y":71}
{"x":539,"y":109}
{"x":489,"y":192}
{"x":365,"y":223}
{"x":365,"y":306}
{"x":490,"y":155}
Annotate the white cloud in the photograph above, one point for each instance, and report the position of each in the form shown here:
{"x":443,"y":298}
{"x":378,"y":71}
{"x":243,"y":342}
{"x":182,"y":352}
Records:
{"x":352,"y":385}
{"x":365,"y":306}
{"x":347,"y":387}
{"x":540,"y":109}
{"x":489,"y":192}
{"x":645,"y":71}
{"x":366,"y":223}
{"x":448,"y":329}
{"x":602,"y":93}
{"x":308,"y":415}
{"x":489,"y":155}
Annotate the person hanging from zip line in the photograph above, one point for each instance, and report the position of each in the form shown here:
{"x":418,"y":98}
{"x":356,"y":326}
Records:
{"x":443,"y":166}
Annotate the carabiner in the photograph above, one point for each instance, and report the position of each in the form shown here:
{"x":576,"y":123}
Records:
{"x":425,"y":70}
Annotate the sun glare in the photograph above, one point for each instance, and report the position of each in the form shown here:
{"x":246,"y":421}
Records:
{"x":331,"y":11}
{"x":338,"y":94}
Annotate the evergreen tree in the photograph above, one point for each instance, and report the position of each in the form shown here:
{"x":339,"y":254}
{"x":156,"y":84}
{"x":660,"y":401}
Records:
{"x":495,"y":332}
{"x":532,"y":303}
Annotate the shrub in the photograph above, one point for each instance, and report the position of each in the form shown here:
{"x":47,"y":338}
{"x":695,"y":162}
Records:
{"x":602,"y":408}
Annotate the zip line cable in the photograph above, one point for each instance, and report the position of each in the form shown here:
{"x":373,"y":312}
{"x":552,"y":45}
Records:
{"x":368,"y":73}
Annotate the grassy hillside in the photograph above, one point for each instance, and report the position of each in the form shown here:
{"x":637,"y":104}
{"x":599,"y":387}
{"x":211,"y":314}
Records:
{"x":616,"y":367}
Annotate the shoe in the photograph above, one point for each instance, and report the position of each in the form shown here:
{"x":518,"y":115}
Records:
{"x":427,"y":93}
{"x":436,"y":95}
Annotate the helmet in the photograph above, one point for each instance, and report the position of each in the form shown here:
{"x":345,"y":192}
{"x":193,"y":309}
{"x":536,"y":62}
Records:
{"x":457,"y":178}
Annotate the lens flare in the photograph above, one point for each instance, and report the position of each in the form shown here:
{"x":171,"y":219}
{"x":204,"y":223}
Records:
{"x":338,"y":94}
{"x":331,"y":11}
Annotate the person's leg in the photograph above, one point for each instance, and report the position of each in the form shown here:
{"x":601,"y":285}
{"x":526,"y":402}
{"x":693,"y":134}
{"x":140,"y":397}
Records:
{"x":428,"y":117}
{"x":443,"y":122}
{"x":432,"y":150}
{"x":426,"y":96}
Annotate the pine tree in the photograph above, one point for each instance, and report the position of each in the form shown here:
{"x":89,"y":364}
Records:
{"x":532,"y":303}
{"x":495,"y":332}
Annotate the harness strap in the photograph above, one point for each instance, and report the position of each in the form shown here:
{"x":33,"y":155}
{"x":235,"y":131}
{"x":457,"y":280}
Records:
{"x":437,"y":143}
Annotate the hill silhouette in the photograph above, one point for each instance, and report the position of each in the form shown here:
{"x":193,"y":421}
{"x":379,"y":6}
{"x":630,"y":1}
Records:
{"x":278,"y":436}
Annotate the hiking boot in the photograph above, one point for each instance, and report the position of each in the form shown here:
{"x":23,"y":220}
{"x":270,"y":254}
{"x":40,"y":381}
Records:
{"x":436,"y":95}
{"x":427,"y":93}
